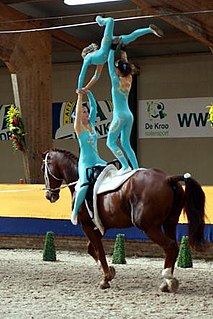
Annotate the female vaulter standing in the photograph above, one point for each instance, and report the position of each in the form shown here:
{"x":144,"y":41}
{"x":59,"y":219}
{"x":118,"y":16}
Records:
{"x":84,"y":126}
{"x":94,"y":56}
{"x":122,"y":121}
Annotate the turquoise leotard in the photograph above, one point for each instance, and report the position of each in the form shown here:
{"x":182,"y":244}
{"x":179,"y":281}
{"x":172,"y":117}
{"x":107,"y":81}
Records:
{"x":88,"y":154}
{"x":122,"y":120}
{"x":100,"y":56}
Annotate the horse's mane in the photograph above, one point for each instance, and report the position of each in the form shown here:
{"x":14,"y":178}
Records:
{"x":68,"y":154}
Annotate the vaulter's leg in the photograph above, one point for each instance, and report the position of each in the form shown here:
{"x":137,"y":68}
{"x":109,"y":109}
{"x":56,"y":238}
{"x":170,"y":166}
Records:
{"x":125,"y":143}
{"x":80,"y":197}
{"x":80,"y":193}
{"x":128,"y":38}
{"x":108,"y":34}
{"x":112,"y":138}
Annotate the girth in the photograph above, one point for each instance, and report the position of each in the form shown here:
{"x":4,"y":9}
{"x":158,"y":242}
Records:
{"x":92,"y":174}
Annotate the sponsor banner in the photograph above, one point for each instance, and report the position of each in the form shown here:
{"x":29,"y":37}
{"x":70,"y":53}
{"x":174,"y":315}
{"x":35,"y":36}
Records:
{"x":166,"y":118}
{"x":5,"y":134}
{"x":63,"y":119}
{"x":170,"y":118}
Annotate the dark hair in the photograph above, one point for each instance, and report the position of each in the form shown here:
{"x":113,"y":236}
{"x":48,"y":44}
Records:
{"x":124,"y":67}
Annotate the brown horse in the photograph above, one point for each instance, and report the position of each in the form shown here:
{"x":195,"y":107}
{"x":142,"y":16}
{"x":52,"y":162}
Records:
{"x":150,"y":200}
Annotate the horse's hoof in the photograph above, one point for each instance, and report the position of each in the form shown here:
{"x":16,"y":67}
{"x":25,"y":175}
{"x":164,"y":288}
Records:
{"x":104,"y":284}
{"x":112,"y":272}
{"x":170,"y":285}
{"x":173,"y":285}
{"x":164,"y":286}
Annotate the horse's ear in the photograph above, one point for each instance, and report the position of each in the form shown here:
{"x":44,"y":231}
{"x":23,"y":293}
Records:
{"x":42,"y":154}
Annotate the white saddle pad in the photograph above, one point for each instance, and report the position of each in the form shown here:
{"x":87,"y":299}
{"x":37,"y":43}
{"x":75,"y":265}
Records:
{"x":108,"y":181}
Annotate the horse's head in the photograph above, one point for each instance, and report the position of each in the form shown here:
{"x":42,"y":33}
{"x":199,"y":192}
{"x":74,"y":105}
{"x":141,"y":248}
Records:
{"x":52,"y":175}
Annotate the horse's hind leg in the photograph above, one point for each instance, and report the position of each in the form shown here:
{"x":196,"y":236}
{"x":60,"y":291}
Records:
{"x":95,"y":238}
{"x":170,"y":231}
{"x":170,"y":247}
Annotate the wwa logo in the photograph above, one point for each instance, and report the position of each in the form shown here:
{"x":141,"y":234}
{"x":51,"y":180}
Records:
{"x":156,"y":110}
{"x":188,"y":119}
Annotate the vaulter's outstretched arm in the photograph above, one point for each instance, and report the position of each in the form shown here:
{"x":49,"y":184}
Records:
{"x":95,"y":77}
{"x":111,"y":66}
{"x":82,"y":74}
{"x":78,"y":115}
{"x":93,"y":107}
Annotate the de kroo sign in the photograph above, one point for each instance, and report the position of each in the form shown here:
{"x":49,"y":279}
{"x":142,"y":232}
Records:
{"x":170,"y":118}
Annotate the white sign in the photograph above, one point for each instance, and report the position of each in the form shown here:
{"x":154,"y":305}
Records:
{"x":169,"y":118}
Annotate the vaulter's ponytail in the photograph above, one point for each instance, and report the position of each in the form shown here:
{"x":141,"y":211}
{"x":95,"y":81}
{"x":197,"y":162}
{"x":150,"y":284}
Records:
{"x":124,"y":67}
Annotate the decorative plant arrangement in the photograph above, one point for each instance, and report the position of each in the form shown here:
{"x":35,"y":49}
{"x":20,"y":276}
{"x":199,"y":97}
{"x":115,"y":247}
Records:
{"x":49,"y":252}
{"x":184,"y":256}
{"x":119,"y":250}
{"x":16,"y":127}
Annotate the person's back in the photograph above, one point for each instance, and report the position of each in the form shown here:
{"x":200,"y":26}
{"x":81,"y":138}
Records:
{"x":122,"y":121}
{"x":120,"y":94}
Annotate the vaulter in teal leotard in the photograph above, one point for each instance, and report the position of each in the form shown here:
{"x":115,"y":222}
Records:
{"x":84,"y":126}
{"x":122,"y":121}
{"x":94,"y":56}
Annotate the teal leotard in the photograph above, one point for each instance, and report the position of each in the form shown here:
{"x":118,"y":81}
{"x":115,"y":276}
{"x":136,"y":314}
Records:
{"x":122,"y":120}
{"x":100,"y":56}
{"x":88,"y":154}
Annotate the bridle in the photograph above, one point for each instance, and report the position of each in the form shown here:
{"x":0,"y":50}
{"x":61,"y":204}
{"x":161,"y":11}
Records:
{"x":48,"y":172}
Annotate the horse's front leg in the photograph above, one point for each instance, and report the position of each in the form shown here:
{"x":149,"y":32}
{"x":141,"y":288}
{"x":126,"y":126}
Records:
{"x":96,"y":250}
{"x":92,"y":252}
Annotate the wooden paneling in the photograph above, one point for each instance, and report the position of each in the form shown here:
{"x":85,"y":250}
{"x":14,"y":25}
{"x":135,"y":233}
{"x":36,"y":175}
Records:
{"x":198,"y":26}
{"x":28,"y":55}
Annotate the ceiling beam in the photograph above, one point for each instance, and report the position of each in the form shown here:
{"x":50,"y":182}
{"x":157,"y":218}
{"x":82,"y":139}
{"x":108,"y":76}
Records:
{"x":8,"y":13}
{"x":69,"y":39}
{"x":183,"y":23}
{"x":22,"y":1}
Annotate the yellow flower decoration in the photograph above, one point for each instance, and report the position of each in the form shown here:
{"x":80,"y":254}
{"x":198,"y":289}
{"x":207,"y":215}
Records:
{"x":16,"y":127}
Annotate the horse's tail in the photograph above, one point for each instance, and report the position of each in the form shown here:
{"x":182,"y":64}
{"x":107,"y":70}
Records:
{"x":194,"y":207}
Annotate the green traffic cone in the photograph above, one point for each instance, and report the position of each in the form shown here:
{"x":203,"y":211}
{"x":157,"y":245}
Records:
{"x":184,"y":256}
{"x":119,"y":250}
{"x":49,"y":253}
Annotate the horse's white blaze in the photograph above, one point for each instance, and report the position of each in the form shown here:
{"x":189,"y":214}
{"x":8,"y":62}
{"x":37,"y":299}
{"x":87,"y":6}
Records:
{"x":167,"y":273}
{"x":46,"y":176}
